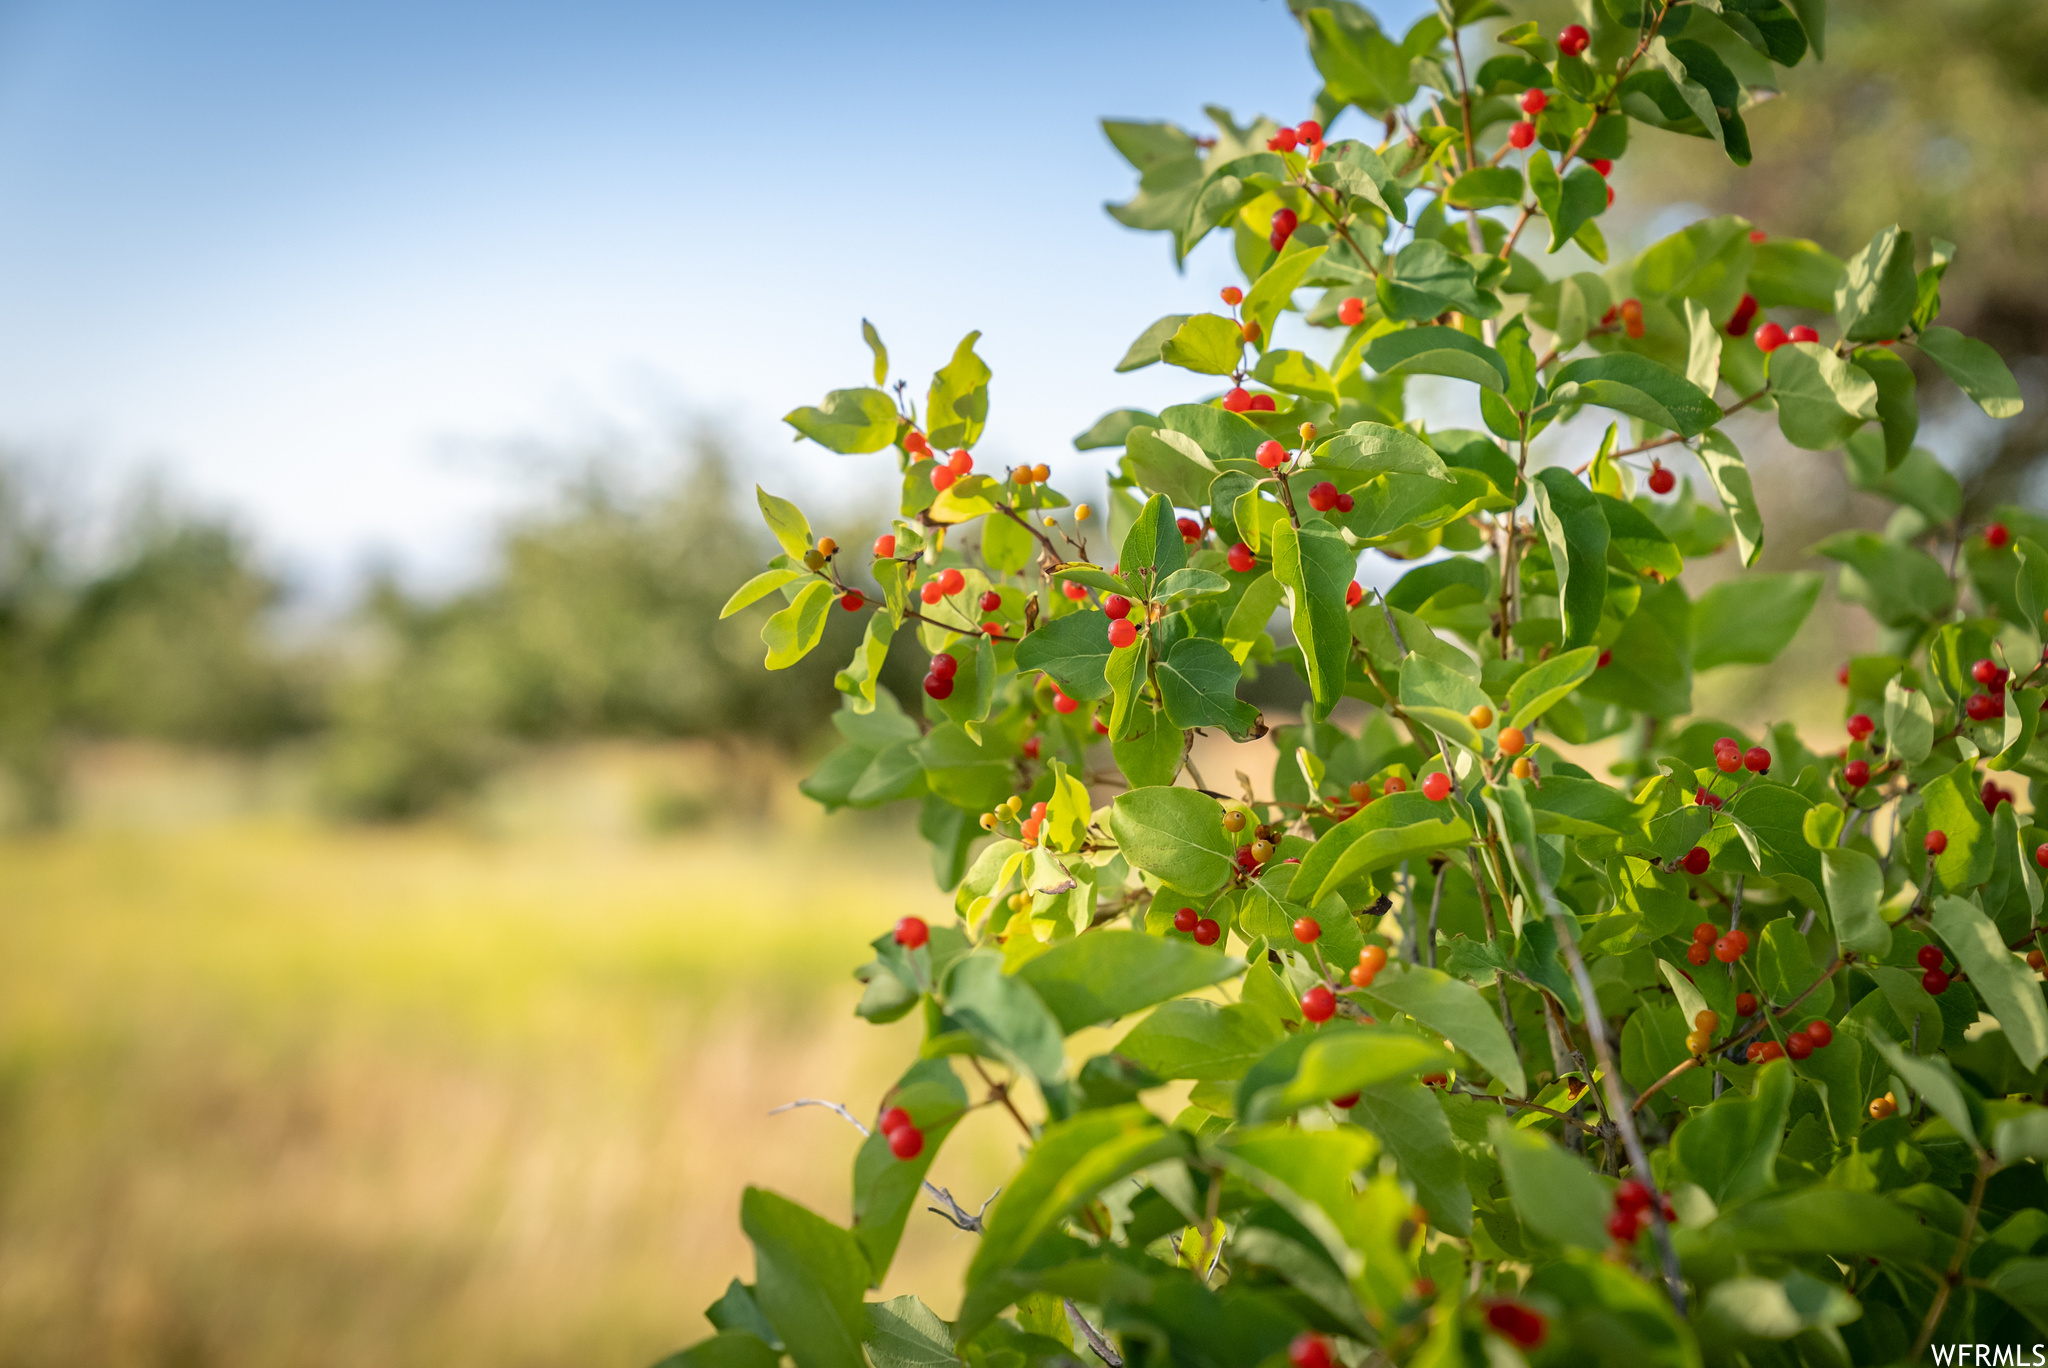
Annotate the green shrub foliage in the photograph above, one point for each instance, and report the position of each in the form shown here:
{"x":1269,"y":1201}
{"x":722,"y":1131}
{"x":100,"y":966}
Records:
{"x":1731,"y":1054}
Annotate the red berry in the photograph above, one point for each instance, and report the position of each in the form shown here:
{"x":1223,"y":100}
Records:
{"x":915,"y":441}
{"x":1632,"y":1195}
{"x":1996,"y":536}
{"x":938,"y":686}
{"x":1346,"y":1102}
{"x":1283,"y":141}
{"x":1074,"y":591}
{"x":1622,"y":1226}
{"x":1262,"y":403}
{"x":1236,"y":400}
{"x":945,"y":666}
{"x":1322,"y":495}
{"x":1698,"y":953}
{"x":1820,"y":1033}
{"x":1318,"y":1004}
{"x":1702,"y":798}
{"x":912,"y":932}
{"x":1769,"y":338}
{"x":1309,"y":131}
{"x":1507,"y":1318}
{"x":1522,"y":134}
{"x":1436,"y":786}
{"x":1345,"y":505}
{"x":1116,"y":606}
{"x":1985,"y":671}
{"x":853,"y":600}
{"x":1232,"y":296}
{"x":1207,"y":932}
{"x":1395,"y":784}
{"x":1741,"y":939}
{"x":1606,"y":659}
{"x":1241,"y":558}
{"x":1309,"y":1350}
{"x":1030,"y":748}
{"x":1064,"y":705}
{"x":931,"y":592}
{"x":1573,"y":40}
{"x":1533,"y":101}
{"x":1802,"y":333}
{"x":1271,"y":454}
{"x":1856,"y":773}
{"x":1745,"y":1004}
{"x":1696,"y":860}
{"x":1351,"y":312}
{"x":1705,"y":933}
{"x":1602,"y":165}
{"x":1727,"y":950}
{"x":1758,"y":235}
{"x":1190,"y":530}
{"x":892,"y":1119}
{"x":1745,"y":313}
{"x":1757,"y":760}
{"x":906,"y":1142}
{"x":961,"y":462}
{"x":1861,"y":726}
{"x":1842,"y":676}
{"x":1797,"y":1045}
{"x":1982,"y":707}
{"x":951,"y":582}
{"x":1935,"y":982}
{"x":1930,"y":957}
{"x":1307,"y":930}
{"x":1245,"y":859}
{"x":1354,"y":595}
{"x":1122,"y":633}
{"x":1728,"y":760}
{"x":990,"y":601}
{"x":1662,"y":481}
{"x":1936,"y":842}
{"x":885,"y":546}
{"x":1185,"y":919}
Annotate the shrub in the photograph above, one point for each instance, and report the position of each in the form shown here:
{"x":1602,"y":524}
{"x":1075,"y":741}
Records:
{"x":1492,"y":1056}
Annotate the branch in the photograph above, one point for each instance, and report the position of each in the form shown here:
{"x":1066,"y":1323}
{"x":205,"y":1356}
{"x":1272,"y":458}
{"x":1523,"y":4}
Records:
{"x":1094,"y":1337}
{"x":953,"y":1211}
{"x":1747,"y":1034}
{"x":1955,"y":1264}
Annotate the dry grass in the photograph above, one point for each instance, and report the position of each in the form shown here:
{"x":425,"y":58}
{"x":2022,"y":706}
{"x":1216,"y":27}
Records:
{"x":273,"y":1094}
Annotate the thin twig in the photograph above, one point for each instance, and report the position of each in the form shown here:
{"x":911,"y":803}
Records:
{"x":1094,"y":1337}
{"x":1955,"y":1265}
{"x":953,"y":1211}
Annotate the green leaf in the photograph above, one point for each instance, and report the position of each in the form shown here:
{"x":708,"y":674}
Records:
{"x":1730,"y":1148}
{"x":1293,"y":372}
{"x":1908,"y":721}
{"x":905,"y":1333}
{"x":1576,"y":532}
{"x":858,"y":679}
{"x":1441,"y":698}
{"x":1933,"y":1081}
{"x":1176,"y":835}
{"x":1855,"y":887}
{"x":1355,"y":169}
{"x":1410,"y":1122}
{"x":1954,"y":807}
{"x":1571,"y":806}
{"x":1488,"y":187}
{"x":1154,"y":543}
{"x":849,"y":422}
{"x":957,"y":407}
{"x":1273,"y":291}
{"x":2008,"y":987}
{"x":792,"y":633}
{"x":1110,"y":973}
{"x":1555,"y":1194}
{"x":1784,"y":963}
{"x":874,"y":341}
{"x":1703,"y":346}
{"x":1749,"y":619}
{"x":1570,"y":203}
{"x":1730,"y":478}
{"x":2031,"y":584}
{"x":1146,"y":349}
{"x":1365,"y":451}
{"x":887,"y":1189}
{"x":792,"y":530}
{"x":1976,"y":369}
{"x":1191,"y":1038}
{"x":1113,"y":427}
{"x":961,"y":770}
{"x":1794,"y":273}
{"x":1638,"y":386}
{"x":1898,"y":402}
{"x":1547,"y":683}
{"x":1359,"y":64}
{"x":1822,"y":399}
{"x":1452,"y":1008}
{"x":1315,"y":567}
{"x":1332,"y":1061}
{"x":1425,"y":278}
{"x":1208,"y":344}
{"x":1198,"y":685}
{"x":1072,"y":1161}
{"x":1386,"y":831}
{"x":1819,"y":1220}
{"x":809,"y":1276}
{"x":1875,"y":300}
{"x":1639,"y":543}
{"x":758,"y":588}
{"x":1150,"y":750}
{"x":1073,"y":650}
{"x":1651,"y":665}
{"x":1919,"y":480}
{"x":1438,"y":351}
{"x":726,"y":1349}
{"x":1005,"y":1016}
{"x":1708,"y":261}
{"x":1901,"y":585}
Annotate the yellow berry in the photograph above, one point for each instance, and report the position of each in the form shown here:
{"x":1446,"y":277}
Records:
{"x":1080,"y":512}
{"x":1480,"y":717}
{"x":1707,"y":1019}
{"x":1262,"y":851}
{"x":1699,"y":1042}
{"x":1513,"y":740}
{"x":1233,"y":821}
{"x":826,"y":546}
{"x":1308,"y":433}
{"x":988,"y":821}
{"x":1522,"y":768}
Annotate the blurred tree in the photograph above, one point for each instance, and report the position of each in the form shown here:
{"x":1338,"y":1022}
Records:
{"x":34,"y":603}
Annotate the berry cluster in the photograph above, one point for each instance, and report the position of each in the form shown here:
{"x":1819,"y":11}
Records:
{"x":1306,"y":134}
{"x":1744,"y":315}
{"x":1991,"y":678}
{"x":1812,"y":1036}
{"x":1240,"y":400}
{"x":1708,"y":942}
{"x":1704,"y":1023}
{"x":1205,"y":930}
{"x":1522,"y":1325}
{"x":1935,"y":976}
{"x":1730,"y":757}
{"x":1325,"y":496}
{"x":1309,"y":1350}
{"x":938,"y":680}
{"x":1884,"y":1106}
{"x":1632,"y":1202}
{"x":906,"y":1141}
{"x":1371,"y":960}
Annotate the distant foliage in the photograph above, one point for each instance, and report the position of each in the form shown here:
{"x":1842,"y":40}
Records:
{"x":1732,"y":1054}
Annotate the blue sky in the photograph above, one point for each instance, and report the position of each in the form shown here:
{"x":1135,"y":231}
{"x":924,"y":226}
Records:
{"x":316,"y":262}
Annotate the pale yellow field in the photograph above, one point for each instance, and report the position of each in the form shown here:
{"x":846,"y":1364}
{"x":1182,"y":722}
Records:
{"x":273,"y":1093}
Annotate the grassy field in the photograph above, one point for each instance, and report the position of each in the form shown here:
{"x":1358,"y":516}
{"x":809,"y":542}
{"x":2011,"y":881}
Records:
{"x":272,"y":1093}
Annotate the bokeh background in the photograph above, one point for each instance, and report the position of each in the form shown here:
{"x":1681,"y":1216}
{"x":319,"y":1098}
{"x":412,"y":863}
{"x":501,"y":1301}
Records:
{"x":406,"y":915}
